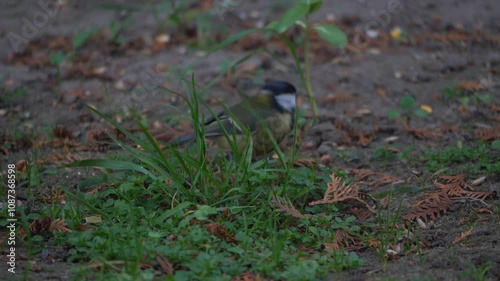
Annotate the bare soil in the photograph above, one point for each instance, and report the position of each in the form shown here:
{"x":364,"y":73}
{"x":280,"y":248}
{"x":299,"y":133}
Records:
{"x":444,"y":44}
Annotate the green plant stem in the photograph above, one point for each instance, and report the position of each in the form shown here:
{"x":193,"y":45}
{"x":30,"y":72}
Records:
{"x":307,"y":63}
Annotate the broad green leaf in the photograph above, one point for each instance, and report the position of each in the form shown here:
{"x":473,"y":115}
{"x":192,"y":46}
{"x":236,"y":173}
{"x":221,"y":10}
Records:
{"x":354,"y":228}
{"x":289,"y":18}
{"x":93,"y":219}
{"x":393,"y":114}
{"x":332,"y":35}
{"x":272,"y":25}
{"x":128,"y":22}
{"x":80,"y":38}
{"x":495,"y":144}
{"x":314,"y":5}
{"x":421,"y":113}
{"x":486,"y":98}
{"x":37,"y":238}
{"x":407,"y":102}
{"x":156,"y":234}
{"x":203,"y":212}
{"x":238,"y":250}
{"x":57,"y":57}
{"x":464,"y":101}
{"x":350,"y":219}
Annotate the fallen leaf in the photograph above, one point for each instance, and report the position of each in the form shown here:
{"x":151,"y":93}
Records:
{"x":382,"y":92}
{"x":338,"y":191}
{"x":220,"y":231}
{"x":426,"y":108}
{"x":93,"y":219}
{"x":478,"y":181}
{"x":59,"y":225}
{"x":488,"y":134}
{"x":289,"y":209}
{"x":470,"y":85}
{"x":326,"y":159}
{"x":247,"y":276}
{"x":165,"y":264}
{"x":462,"y":236}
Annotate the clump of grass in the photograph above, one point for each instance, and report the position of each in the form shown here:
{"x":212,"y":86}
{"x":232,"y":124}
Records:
{"x":474,"y":159}
{"x":210,"y":217}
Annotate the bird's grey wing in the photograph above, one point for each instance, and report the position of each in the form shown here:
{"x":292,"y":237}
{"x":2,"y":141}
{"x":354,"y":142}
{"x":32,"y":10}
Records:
{"x":246,"y":113}
{"x":213,"y":119}
{"x":221,"y":124}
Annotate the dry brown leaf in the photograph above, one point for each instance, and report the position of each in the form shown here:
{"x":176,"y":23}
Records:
{"x":62,"y":132}
{"x":165,"y":264}
{"x":452,"y":36}
{"x":456,"y":186}
{"x":82,"y":227}
{"x":470,"y":85}
{"x":372,"y":243}
{"x":326,"y":159}
{"x":463,"y":236}
{"x":252,"y":41}
{"x":67,"y":157}
{"x":364,"y":139}
{"x":479,"y":195}
{"x":87,"y":71}
{"x":384,"y":202}
{"x":383,"y":179}
{"x":495,"y":107}
{"x":305,"y":162}
{"x":95,"y":190}
{"x":447,"y":128}
{"x":59,"y":225}
{"x":360,"y":214}
{"x":422,"y":133}
{"x":361,"y":174}
{"x":28,"y":58}
{"x":382,"y":92}
{"x":380,"y":179}
{"x":339,"y":97}
{"x":57,"y":197}
{"x":430,"y":206}
{"x":289,"y":209}
{"x":338,"y":191}
{"x":98,"y":139}
{"x":342,"y":241}
{"x":450,"y":187}
{"x":488,"y":134}
{"x":487,"y":209}
{"x":38,"y":226}
{"x":220,"y":231}
{"x":247,"y":276}
{"x":351,"y":136}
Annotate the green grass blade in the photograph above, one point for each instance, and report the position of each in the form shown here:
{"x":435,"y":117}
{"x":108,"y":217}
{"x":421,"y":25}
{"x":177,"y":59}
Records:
{"x":111,"y":164}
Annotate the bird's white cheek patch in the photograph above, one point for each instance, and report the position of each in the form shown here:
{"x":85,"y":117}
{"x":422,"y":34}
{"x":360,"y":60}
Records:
{"x":287,"y":101}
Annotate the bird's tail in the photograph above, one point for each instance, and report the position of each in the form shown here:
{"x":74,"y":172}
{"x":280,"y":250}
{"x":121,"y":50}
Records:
{"x":182,"y":140}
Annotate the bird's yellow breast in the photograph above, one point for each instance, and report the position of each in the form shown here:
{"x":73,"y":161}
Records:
{"x":277,"y":126}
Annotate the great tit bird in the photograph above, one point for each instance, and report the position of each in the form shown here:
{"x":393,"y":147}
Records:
{"x":268,"y":114}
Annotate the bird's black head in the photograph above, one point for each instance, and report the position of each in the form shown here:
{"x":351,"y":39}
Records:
{"x":279,"y":87}
{"x":283,"y":95}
